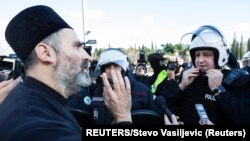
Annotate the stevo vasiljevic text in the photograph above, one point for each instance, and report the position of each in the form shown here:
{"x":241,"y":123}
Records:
{"x":165,"y":132}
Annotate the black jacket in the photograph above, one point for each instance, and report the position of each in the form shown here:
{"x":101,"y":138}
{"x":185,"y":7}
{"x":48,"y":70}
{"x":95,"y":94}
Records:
{"x":143,"y":79}
{"x":80,"y":105}
{"x":35,"y":112}
{"x":142,"y":98}
{"x":230,"y":107}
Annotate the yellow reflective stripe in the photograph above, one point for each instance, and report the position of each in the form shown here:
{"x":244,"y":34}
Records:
{"x":161,"y":76}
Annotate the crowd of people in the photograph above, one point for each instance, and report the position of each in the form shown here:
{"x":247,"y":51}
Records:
{"x":57,"y":96}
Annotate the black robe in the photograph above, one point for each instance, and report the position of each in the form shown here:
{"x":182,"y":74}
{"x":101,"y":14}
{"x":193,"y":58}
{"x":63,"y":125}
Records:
{"x":35,"y":112}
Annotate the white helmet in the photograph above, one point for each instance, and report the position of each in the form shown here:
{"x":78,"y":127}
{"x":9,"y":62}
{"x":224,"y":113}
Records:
{"x":209,"y":37}
{"x":113,"y":55}
{"x":246,"y":59}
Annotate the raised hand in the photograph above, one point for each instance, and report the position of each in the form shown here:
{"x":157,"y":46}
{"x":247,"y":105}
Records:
{"x":118,"y":98}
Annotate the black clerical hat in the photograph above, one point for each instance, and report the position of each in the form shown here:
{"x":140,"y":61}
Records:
{"x":31,"y":26}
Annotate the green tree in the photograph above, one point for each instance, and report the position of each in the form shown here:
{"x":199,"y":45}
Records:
{"x":147,"y":51}
{"x":132,"y":54}
{"x":152,"y":47}
{"x":169,"y":48}
{"x":248,"y":44}
{"x":237,"y":51}
{"x":234,"y":46}
{"x":241,"y":48}
{"x":182,"y":51}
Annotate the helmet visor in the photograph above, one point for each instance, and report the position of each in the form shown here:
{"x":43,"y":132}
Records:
{"x":205,"y":38}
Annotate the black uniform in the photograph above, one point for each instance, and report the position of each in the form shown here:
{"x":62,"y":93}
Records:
{"x":142,"y":98}
{"x":246,"y":68}
{"x":35,"y":112}
{"x":230,"y":107}
{"x":143,"y":79}
{"x":80,"y":105}
{"x":80,"y":100}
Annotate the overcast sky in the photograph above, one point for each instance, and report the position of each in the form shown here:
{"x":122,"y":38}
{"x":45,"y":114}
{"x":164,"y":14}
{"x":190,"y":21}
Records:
{"x":121,"y":23}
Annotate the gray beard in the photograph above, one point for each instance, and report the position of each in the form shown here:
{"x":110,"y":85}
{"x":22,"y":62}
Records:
{"x":72,"y":83}
{"x":84,"y":79}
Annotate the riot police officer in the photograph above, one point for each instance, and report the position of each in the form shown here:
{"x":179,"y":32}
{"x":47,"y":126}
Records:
{"x":225,"y":94}
{"x":113,"y":59}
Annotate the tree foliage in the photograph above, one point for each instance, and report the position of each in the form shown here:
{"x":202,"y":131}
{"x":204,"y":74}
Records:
{"x":241,"y":48}
{"x":234,"y":46}
{"x":248,"y":45}
{"x":237,"y":48}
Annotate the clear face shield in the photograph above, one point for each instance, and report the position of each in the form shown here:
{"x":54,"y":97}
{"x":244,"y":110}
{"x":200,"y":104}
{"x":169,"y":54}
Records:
{"x":206,"y":38}
{"x":246,"y":61}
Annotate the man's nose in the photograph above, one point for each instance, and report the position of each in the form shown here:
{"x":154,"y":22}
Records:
{"x":86,"y":56}
{"x":112,"y":67}
{"x":200,"y":58}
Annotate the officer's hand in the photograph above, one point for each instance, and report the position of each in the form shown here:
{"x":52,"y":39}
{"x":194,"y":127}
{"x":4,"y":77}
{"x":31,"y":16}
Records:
{"x":188,"y":77}
{"x":118,"y":100}
{"x":6,"y":86}
{"x":208,"y":123}
{"x":215,"y":78}
{"x":174,"y":120}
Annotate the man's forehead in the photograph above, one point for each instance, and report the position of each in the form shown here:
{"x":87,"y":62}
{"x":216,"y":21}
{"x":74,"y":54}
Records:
{"x":204,"y":51}
{"x":110,"y":64}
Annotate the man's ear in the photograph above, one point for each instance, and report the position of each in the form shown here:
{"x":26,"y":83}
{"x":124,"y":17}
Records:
{"x":45,"y":53}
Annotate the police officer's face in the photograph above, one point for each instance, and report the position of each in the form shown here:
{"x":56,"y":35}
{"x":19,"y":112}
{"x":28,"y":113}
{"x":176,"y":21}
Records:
{"x":72,"y":63}
{"x":204,"y":59}
{"x":110,"y":67}
{"x":246,"y":61}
